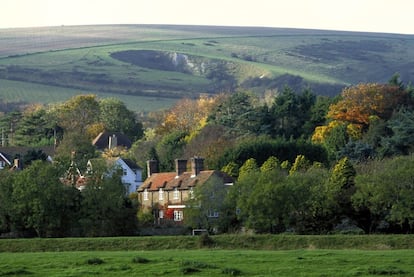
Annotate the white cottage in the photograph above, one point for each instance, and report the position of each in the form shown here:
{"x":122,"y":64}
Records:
{"x":131,"y":174}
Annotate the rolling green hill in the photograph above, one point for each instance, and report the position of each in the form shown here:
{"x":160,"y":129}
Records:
{"x":151,"y":66}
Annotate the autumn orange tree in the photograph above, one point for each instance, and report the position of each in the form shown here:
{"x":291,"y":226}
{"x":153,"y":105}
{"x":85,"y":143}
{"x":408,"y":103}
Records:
{"x":360,"y":105}
{"x":186,"y":115}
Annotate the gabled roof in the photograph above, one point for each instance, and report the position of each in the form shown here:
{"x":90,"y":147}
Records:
{"x":170,"y":181}
{"x":9,"y":153}
{"x":102,"y":140}
{"x":131,"y":164}
{"x":12,"y":151}
{"x":6,"y":158}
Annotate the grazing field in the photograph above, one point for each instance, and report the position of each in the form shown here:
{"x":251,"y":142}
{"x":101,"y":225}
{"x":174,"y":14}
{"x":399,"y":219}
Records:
{"x":172,"y":62}
{"x":302,"y":262}
{"x":23,"y":92}
{"x":224,"y":255}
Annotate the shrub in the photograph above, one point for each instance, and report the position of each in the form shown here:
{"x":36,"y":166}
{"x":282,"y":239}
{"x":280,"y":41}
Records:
{"x":205,"y":241}
{"x":145,"y":218}
{"x":196,"y":264}
{"x":140,"y":260}
{"x":231,"y":271}
{"x":95,"y":261}
{"x":386,"y":271}
{"x":189,"y":270}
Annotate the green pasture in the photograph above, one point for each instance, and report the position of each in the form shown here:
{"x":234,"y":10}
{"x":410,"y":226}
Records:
{"x":223,"y":255}
{"x":79,"y":58}
{"x":16,"y":91}
{"x":207,"y":262}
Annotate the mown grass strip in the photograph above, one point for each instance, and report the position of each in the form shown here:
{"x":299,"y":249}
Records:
{"x":256,"y":242}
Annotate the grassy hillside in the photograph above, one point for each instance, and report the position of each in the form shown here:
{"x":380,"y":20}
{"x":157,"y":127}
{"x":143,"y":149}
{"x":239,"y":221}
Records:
{"x":159,"y":64}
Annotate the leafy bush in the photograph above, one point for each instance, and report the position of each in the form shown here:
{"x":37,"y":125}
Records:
{"x":231,"y":271}
{"x":196,"y":264}
{"x":386,"y":271}
{"x":145,"y":218}
{"x":95,"y":261}
{"x":140,"y":260}
{"x":189,"y":270}
{"x":205,"y":241}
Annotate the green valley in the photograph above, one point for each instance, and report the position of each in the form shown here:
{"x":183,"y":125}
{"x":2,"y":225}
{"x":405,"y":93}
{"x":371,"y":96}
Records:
{"x":160,"y":64}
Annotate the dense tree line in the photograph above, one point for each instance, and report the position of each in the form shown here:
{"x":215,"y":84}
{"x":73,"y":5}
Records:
{"x":302,"y":163}
{"x":34,"y":202}
{"x":375,"y":196}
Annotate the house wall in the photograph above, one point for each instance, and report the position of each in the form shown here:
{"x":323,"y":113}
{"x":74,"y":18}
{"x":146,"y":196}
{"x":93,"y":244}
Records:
{"x":160,"y":206}
{"x":168,"y":198}
{"x":131,"y":179}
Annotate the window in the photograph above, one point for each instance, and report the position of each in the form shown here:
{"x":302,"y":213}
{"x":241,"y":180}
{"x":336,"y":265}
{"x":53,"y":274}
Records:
{"x":191,"y":193}
{"x":2,"y":164}
{"x":124,"y":171}
{"x":213,"y":213}
{"x":176,"y":194}
{"x":145,"y":195}
{"x":178,"y":215}
{"x":161,"y":195}
{"x":161,"y":214}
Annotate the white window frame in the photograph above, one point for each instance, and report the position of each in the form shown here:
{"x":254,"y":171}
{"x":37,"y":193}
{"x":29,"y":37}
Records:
{"x":213,"y":214}
{"x":161,"y":214}
{"x":145,"y":194}
{"x":191,"y":192}
{"x":176,"y":194}
{"x":178,"y":215}
{"x":161,"y":194}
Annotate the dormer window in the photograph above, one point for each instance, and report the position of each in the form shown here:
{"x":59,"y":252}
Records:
{"x":176,"y":194}
{"x":161,"y":195}
{"x":145,"y":194}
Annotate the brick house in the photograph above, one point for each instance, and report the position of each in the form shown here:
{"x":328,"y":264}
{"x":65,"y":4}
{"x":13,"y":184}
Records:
{"x":165,"y":194}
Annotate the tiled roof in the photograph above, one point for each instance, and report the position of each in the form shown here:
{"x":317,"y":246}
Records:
{"x":170,"y":181}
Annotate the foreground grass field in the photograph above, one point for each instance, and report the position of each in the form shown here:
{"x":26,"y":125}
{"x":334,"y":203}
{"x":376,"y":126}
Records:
{"x":225,"y":255}
{"x":210,"y":263}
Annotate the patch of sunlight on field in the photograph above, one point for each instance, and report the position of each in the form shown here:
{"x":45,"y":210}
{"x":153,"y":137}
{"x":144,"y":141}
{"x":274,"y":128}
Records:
{"x":15,"y":91}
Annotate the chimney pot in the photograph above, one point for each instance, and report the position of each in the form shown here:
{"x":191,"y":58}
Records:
{"x":113,"y":142}
{"x":197,"y":165}
{"x":17,"y":164}
{"x":180,"y":166}
{"x":152,"y":167}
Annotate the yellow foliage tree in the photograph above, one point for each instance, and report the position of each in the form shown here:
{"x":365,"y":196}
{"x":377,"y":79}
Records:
{"x":187,"y":115}
{"x":359,"y":106}
{"x":361,"y":102}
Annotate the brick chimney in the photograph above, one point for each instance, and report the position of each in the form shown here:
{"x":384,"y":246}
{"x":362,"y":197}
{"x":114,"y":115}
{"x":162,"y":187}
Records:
{"x":113,"y":142}
{"x":180,"y":166}
{"x":197,"y":165}
{"x":152,"y":167}
{"x":17,"y":164}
